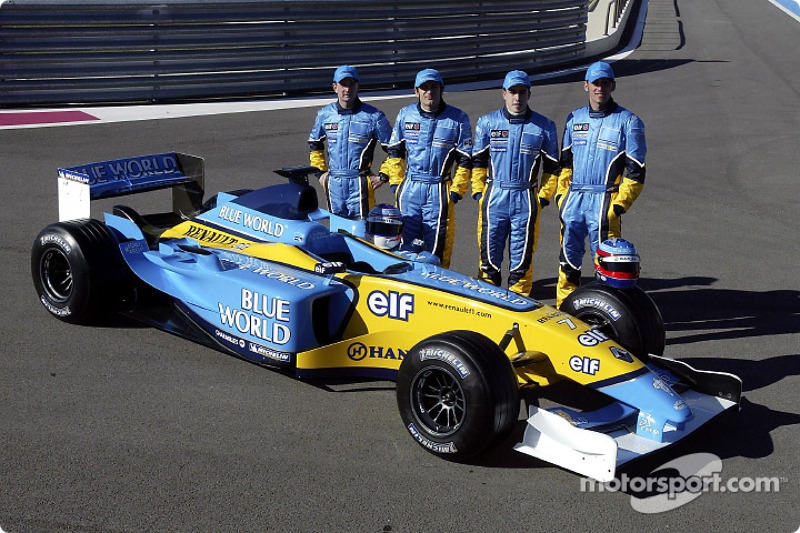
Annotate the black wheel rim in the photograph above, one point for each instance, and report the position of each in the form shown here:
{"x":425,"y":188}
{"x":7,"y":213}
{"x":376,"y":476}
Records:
{"x":438,"y":401}
{"x":56,"y":275}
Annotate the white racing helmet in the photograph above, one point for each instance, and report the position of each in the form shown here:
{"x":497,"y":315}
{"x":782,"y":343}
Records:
{"x":384,"y":226}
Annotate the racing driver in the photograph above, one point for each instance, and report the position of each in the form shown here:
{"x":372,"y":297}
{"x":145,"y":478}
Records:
{"x":434,"y":140}
{"x":515,"y":142}
{"x":602,"y":141}
{"x":352,"y":129}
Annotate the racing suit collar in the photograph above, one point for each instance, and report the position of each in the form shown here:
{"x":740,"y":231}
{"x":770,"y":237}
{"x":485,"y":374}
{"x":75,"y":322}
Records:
{"x":516,"y":119}
{"x":612,"y":105}
{"x":432,"y":114}
{"x":356,"y":108}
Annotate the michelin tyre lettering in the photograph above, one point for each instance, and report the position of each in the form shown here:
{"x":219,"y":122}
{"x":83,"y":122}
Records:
{"x":628,"y":316}
{"x":457,"y":394}
{"x":77,"y":270}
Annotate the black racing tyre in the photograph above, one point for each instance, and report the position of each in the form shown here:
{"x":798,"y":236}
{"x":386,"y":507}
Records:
{"x":652,"y":322}
{"x":457,"y":394}
{"x":78,"y":270}
{"x":629,"y":316}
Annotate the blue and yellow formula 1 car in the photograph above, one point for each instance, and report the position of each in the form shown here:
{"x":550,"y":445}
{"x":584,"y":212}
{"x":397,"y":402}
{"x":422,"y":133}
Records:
{"x":268,"y":276}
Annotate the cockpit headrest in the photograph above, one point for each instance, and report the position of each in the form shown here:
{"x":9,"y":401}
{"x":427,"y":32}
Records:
{"x":291,"y":201}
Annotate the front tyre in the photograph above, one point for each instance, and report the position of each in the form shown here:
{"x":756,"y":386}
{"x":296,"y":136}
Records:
{"x":457,"y":394}
{"x":629,"y":316}
{"x":77,"y":269}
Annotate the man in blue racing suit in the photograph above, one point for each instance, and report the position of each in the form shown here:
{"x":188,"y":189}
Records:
{"x":602,"y":141}
{"x":434,"y":140}
{"x":352,"y":129}
{"x":514,"y":142}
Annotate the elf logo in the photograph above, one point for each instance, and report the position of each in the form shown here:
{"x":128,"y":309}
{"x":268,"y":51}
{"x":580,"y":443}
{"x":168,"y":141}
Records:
{"x":395,"y":305}
{"x":586,"y":365}
{"x":592,"y":337}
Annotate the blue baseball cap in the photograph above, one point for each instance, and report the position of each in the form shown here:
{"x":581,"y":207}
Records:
{"x":516,"y":77}
{"x":428,"y":74}
{"x":345,"y":71}
{"x":598,"y":70}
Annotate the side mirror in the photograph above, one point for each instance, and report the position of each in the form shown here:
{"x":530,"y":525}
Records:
{"x":330,"y":268}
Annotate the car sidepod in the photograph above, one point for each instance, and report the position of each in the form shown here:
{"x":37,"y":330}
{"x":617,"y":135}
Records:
{"x":261,"y":310}
{"x":268,"y":276}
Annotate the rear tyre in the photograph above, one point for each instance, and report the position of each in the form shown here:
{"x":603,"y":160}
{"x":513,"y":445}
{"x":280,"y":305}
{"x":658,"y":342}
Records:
{"x":629,"y":316}
{"x":77,"y":270}
{"x":457,"y":394}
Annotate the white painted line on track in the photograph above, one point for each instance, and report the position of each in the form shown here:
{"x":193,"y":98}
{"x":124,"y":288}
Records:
{"x":790,"y":7}
{"x":129,"y":113}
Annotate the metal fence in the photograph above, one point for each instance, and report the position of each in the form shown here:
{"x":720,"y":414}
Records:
{"x":182,"y":50}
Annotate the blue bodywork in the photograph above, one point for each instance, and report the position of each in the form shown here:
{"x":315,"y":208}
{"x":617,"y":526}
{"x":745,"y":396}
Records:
{"x":268,"y":311}
{"x":267,"y":275}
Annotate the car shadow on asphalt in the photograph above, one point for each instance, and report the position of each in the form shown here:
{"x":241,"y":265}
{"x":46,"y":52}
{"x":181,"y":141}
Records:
{"x":743,"y":433}
{"x":693,"y":311}
{"x":746,"y":433}
{"x":688,"y":305}
{"x":346,"y":385}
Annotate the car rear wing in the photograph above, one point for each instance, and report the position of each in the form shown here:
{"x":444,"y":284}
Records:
{"x":79,"y":185}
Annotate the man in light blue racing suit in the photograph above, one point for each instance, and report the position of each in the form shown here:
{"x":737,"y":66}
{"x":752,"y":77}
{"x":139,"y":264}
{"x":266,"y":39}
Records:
{"x":602,"y":141}
{"x":429,"y":165}
{"x":515,"y":143}
{"x":352,"y":129}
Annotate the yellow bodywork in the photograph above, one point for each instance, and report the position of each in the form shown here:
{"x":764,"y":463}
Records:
{"x":541,"y":350}
{"x":545,"y":346}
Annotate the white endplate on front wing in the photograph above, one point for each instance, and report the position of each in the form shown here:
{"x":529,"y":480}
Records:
{"x":597,"y":455}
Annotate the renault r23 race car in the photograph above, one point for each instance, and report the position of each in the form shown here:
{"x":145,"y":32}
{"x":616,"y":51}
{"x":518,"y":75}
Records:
{"x":268,"y":276}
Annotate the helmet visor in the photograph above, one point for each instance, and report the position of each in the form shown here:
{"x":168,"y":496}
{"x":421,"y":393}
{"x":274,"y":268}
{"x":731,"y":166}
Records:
{"x":384,"y":229}
{"x":619,"y":264}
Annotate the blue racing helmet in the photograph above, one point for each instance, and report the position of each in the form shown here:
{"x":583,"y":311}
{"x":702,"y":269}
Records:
{"x":617,"y":263}
{"x":384,"y":226}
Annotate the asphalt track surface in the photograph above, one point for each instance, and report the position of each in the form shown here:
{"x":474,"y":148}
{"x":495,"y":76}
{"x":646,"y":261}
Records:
{"x":125,"y":428}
